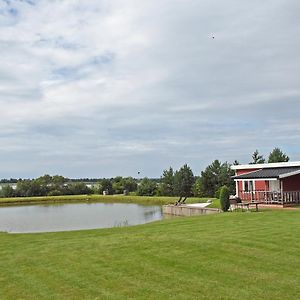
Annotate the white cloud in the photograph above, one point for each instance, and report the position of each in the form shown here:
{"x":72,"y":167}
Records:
{"x":92,"y":83}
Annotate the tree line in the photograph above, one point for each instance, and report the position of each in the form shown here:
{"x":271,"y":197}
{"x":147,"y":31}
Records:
{"x":44,"y":186}
{"x":276,"y":155}
{"x":181,"y":182}
{"x":57,"y":185}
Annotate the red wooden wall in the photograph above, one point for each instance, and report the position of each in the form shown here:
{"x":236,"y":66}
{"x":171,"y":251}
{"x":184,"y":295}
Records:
{"x":291,"y":184}
{"x":260,"y":185}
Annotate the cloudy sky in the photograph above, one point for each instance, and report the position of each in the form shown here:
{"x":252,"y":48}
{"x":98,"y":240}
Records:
{"x":99,"y":88}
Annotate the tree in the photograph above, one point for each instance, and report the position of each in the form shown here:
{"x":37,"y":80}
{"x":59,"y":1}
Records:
{"x":146,"y":187}
{"x":120,"y":184}
{"x":167,"y":183}
{"x":183,"y":181}
{"x":105,"y":185}
{"x":129,"y":184}
{"x":215,"y":176}
{"x":277,"y":156}
{"x":79,"y":188}
{"x":58,"y":182}
{"x":236,"y":163}
{"x":117,"y":185}
{"x":224,"y":198}
{"x":45,"y":183}
{"x":28,"y":188}
{"x":256,"y":158}
{"x":218,"y":192}
{"x":198,"y":188}
{"x":7,"y":191}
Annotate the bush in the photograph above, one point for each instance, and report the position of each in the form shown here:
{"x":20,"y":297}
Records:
{"x":7,"y":191}
{"x":224,"y":198}
{"x":198,"y":188}
{"x":147,"y":187}
{"x":79,"y":188}
{"x":55,"y":193}
{"x":105,"y":185}
{"x":217,"y":194}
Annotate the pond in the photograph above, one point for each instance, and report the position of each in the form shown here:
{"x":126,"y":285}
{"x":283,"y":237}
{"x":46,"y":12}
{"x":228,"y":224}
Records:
{"x":75,"y":216}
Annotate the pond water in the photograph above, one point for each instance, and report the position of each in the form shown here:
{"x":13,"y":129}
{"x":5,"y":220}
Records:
{"x":75,"y":216}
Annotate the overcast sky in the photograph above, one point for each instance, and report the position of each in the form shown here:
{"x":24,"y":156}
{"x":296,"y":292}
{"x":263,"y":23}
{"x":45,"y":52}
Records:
{"x":97,"y":88}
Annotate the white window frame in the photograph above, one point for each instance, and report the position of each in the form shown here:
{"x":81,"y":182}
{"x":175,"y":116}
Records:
{"x":250,"y":185}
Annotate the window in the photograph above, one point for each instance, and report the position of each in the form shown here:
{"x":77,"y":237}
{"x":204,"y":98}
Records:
{"x":248,"y":186}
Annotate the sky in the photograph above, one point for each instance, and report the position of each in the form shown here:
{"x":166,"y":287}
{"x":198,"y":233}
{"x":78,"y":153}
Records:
{"x":100,"y":88}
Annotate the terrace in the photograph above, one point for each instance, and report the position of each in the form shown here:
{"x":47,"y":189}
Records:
{"x":271,"y":197}
{"x":273,"y":183}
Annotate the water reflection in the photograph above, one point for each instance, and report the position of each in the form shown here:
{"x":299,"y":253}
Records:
{"x":64,"y":217}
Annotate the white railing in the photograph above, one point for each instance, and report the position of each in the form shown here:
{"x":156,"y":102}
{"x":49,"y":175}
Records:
{"x":271,"y":197}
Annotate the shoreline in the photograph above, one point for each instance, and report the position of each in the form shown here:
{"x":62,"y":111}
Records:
{"x":146,"y":200}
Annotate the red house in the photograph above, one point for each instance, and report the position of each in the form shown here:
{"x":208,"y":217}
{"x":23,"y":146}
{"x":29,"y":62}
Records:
{"x":277,"y":183}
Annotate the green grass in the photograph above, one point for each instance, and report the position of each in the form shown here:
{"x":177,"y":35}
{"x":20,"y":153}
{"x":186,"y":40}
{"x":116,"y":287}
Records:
{"x":223,"y":256}
{"x":107,"y":199}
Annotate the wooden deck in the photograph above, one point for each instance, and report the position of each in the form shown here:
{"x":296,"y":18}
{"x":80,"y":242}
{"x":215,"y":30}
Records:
{"x":283,"y":198}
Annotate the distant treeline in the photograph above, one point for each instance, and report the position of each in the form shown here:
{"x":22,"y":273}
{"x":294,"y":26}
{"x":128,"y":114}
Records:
{"x":58,"y":185}
{"x":181,"y":183}
{"x":11,"y":180}
{"x":43,"y":186}
{"x":89,"y":180}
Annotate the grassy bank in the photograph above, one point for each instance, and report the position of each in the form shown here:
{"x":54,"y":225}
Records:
{"x":223,"y":256}
{"x":102,"y":198}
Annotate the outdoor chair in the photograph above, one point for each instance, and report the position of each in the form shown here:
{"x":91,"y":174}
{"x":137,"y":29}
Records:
{"x":233,"y":204}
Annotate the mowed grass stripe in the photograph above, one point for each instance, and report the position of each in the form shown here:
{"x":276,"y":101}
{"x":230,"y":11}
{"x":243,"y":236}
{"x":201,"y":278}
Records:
{"x":224,"y":256}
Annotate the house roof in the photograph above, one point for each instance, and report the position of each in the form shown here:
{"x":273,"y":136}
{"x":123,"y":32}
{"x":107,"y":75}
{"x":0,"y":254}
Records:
{"x":266,"y":166}
{"x":270,"y":173}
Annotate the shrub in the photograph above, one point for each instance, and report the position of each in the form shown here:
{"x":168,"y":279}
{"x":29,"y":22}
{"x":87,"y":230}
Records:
{"x":55,"y":193}
{"x":147,"y":187}
{"x":105,"y":185}
{"x":7,"y":191}
{"x":224,"y":198}
{"x":198,"y":188}
{"x":217,"y":193}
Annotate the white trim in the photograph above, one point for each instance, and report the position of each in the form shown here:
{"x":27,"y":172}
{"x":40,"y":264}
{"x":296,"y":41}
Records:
{"x":289,"y":174}
{"x":265,"y":166}
{"x":252,"y":183}
{"x":258,"y":179}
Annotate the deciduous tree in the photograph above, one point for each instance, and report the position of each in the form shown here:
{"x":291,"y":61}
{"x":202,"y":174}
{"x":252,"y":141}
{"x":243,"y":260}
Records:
{"x":147,"y":187}
{"x":105,"y":185}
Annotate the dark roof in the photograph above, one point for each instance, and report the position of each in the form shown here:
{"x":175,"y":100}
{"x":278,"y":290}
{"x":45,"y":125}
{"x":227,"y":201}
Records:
{"x":267,"y":173}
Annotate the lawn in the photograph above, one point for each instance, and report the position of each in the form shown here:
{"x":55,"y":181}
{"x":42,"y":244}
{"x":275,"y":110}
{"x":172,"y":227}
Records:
{"x":223,"y":256}
{"x":101,"y":198}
